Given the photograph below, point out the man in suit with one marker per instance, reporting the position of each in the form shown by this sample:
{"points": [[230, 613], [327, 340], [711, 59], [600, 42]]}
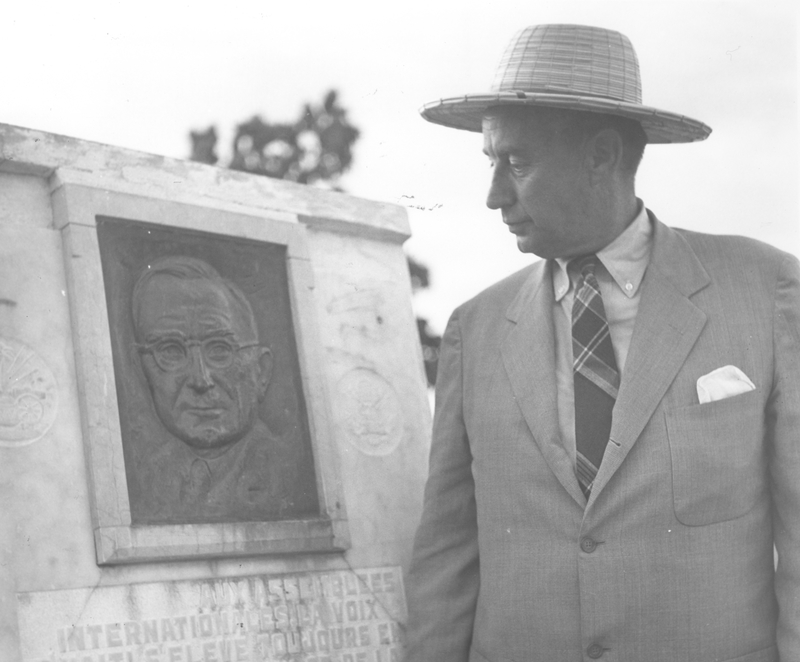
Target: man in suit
{"points": [[616, 445]]}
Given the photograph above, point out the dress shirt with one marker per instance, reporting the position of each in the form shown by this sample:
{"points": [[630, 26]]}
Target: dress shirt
{"points": [[620, 273]]}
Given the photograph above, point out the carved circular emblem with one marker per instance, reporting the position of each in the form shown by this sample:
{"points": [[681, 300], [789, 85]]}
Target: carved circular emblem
{"points": [[28, 394], [369, 412]]}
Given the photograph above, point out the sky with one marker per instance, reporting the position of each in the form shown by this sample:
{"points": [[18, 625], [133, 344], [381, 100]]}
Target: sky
{"points": [[142, 74]]}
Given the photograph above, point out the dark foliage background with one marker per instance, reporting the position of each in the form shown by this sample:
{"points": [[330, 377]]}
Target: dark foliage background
{"points": [[315, 149]]}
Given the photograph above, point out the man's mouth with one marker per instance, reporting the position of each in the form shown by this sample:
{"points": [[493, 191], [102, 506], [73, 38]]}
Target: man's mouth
{"points": [[514, 225], [203, 411], [200, 417]]}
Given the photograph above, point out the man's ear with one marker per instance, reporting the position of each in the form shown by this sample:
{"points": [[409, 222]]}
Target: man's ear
{"points": [[604, 154], [265, 370]]}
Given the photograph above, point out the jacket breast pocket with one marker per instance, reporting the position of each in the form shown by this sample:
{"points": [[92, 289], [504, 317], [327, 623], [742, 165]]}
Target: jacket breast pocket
{"points": [[718, 458]]}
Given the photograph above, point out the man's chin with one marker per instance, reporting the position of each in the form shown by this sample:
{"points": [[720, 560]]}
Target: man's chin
{"points": [[526, 244], [208, 443]]}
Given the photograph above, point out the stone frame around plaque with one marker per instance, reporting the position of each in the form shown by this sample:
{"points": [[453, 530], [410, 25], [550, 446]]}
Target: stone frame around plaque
{"points": [[120, 537]]}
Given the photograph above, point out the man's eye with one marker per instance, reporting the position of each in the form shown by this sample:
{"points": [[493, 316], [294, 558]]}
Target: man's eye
{"points": [[171, 351], [218, 350]]}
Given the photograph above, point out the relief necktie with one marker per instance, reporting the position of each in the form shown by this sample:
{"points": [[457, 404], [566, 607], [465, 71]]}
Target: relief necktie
{"points": [[594, 370], [196, 488]]}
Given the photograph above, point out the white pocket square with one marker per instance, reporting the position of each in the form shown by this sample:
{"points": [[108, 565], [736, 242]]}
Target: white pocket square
{"points": [[724, 382]]}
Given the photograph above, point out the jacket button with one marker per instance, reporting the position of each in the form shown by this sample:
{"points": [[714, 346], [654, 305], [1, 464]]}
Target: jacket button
{"points": [[595, 651], [588, 545]]}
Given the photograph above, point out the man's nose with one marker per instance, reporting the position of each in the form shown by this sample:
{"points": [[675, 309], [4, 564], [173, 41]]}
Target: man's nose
{"points": [[500, 193], [199, 374]]}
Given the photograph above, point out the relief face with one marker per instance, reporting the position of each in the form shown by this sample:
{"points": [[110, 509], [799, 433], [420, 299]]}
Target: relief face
{"points": [[211, 408], [200, 352]]}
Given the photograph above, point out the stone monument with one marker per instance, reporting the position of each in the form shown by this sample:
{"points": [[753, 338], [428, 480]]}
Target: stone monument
{"points": [[213, 418]]}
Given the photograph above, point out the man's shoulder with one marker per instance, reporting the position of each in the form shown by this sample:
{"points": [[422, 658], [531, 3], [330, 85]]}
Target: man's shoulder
{"points": [[726, 247], [496, 298], [259, 444], [739, 262]]}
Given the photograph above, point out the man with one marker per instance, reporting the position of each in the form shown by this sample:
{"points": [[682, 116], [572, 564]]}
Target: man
{"points": [[207, 373], [616, 444]]}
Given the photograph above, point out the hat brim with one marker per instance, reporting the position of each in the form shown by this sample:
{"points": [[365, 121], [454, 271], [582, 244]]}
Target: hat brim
{"points": [[467, 113]]}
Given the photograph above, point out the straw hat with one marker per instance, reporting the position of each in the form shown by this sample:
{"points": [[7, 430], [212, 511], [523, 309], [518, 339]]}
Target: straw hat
{"points": [[576, 67]]}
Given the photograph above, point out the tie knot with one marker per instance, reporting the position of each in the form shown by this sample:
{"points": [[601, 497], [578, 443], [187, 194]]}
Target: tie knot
{"points": [[585, 264]]}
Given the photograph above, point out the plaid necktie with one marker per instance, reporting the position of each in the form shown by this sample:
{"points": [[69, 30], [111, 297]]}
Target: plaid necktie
{"points": [[594, 370]]}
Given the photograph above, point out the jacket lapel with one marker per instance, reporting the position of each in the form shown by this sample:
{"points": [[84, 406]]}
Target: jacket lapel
{"points": [[667, 327], [529, 358]]}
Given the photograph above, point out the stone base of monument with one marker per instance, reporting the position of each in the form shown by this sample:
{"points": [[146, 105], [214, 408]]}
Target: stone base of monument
{"points": [[213, 417]]}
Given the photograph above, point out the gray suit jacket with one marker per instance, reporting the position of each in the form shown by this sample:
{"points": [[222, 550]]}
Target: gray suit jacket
{"points": [[672, 558]]}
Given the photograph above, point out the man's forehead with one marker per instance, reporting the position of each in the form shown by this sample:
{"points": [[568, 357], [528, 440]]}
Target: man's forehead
{"points": [[510, 129], [186, 304], [166, 288], [194, 306], [533, 115]]}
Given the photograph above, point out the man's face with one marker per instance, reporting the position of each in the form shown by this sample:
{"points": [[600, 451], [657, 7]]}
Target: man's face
{"points": [[205, 388], [539, 185]]}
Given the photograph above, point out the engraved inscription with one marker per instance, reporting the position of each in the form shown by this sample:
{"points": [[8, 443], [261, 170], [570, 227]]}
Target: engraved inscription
{"points": [[28, 394], [321, 617], [369, 412]]}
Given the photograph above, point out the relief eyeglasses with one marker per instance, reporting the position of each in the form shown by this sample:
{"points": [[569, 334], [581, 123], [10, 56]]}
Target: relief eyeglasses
{"points": [[172, 354]]}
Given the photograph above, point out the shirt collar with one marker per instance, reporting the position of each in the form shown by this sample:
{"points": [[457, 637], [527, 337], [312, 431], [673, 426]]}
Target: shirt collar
{"points": [[625, 258]]}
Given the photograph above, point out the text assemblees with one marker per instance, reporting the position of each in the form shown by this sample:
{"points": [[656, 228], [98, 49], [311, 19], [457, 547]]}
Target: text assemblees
{"points": [[260, 591], [323, 617]]}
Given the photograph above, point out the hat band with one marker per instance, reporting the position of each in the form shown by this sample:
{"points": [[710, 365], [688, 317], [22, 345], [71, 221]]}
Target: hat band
{"points": [[554, 89]]}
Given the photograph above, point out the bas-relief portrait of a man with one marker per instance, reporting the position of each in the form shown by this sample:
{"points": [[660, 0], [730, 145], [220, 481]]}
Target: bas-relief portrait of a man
{"points": [[193, 389]]}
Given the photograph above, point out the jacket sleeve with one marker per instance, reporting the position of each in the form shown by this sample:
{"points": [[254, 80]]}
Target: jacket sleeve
{"points": [[443, 579], [783, 418]]}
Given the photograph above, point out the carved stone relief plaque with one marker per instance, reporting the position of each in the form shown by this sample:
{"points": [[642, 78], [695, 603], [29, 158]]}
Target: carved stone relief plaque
{"points": [[211, 404], [28, 394], [369, 412]]}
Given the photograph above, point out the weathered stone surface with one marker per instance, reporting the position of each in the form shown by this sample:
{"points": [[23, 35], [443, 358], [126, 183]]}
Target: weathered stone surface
{"points": [[68, 160], [346, 616], [64, 502]]}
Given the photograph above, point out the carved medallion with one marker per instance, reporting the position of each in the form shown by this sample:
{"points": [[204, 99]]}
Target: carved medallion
{"points": [[28, 394], [370, 412]]}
